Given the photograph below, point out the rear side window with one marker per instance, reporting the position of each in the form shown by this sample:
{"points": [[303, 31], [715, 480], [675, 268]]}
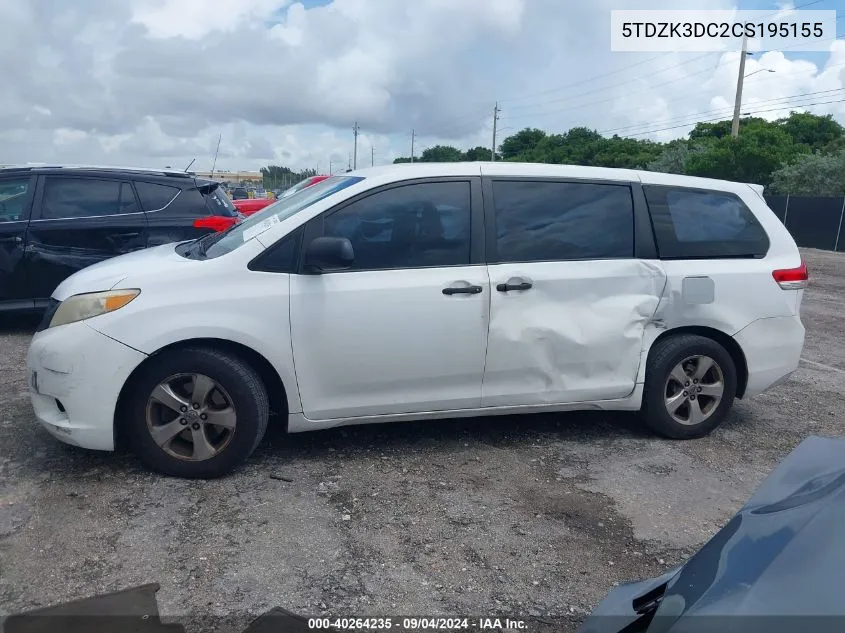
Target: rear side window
{"points": [[80, 198], [696, 223], [555, 221], [153, 196]]}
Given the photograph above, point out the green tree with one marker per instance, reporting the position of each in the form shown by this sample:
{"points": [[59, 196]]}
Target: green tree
{"points": [[277, 176], [673, 159], [706, 131], [812, 175], [441, 154], [478, 153], [627, 153], [521, 143], [812, 131], [760, 149]]}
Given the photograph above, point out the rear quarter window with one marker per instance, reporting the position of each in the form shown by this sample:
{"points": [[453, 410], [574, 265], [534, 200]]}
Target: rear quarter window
{"points": [[155, 196], [703, 224]]}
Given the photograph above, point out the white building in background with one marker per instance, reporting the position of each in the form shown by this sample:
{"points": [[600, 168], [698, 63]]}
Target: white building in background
{"points": [[233, 177]]}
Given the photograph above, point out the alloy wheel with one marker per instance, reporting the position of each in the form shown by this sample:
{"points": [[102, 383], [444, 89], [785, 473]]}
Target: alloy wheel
{"points": [[191, 417], [694, 389]]}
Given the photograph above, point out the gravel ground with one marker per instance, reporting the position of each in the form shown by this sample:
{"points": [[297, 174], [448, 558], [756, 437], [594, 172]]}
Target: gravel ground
{"points": [[530, 515]]}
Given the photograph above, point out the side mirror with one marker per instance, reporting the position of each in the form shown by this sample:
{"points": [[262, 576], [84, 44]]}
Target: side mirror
{"points": [[325, 254]]}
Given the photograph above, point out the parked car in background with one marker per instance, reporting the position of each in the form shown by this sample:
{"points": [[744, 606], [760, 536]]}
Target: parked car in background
{"points": [[252, 205], [239, 193], [302, 184], [426, 291], [56, 220]]}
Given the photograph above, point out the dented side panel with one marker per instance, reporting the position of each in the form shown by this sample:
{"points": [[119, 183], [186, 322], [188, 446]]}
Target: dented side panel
{"points": [[576, 335]]}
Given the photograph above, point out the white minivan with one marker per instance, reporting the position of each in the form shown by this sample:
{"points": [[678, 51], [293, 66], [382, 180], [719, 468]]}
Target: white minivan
{"points": [[428, 291]]}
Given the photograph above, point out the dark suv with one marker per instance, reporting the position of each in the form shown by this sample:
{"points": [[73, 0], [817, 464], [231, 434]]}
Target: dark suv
{"points": [[56, 220]]}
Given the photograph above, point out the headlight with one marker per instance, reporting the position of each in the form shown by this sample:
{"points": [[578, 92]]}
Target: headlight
{"points": [[91, 304]]}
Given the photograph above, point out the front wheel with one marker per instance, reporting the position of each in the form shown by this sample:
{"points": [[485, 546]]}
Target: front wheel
{"points": [[690, 386], [196, 413]]}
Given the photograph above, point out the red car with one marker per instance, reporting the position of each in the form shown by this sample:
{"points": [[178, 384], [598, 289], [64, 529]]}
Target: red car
{"points": [[252, 205]]}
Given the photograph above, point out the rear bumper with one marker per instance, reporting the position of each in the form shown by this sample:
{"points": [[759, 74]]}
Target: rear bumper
{"points": [[772, 349], [75, 377]]}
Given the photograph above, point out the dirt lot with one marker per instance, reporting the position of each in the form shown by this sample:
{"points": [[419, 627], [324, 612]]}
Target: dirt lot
{"points": [[519, 515]]}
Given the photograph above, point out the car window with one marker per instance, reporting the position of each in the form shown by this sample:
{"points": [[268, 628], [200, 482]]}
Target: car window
{"points": [[557, 221], [412, 226], [154, 196], [190, 203], [80, 197], [12, 198], [220, 204], [696, 223]]}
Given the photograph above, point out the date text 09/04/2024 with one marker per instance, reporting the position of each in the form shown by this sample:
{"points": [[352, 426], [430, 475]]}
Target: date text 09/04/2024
{"points": [[416, 624]]}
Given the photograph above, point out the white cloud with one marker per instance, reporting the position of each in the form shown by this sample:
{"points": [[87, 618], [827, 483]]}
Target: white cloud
{"points": [[195, 19], [153, 82]]}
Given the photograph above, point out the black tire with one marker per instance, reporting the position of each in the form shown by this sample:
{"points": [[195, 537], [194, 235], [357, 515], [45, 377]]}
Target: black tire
{"points": [[243, 386], [663, 358]]}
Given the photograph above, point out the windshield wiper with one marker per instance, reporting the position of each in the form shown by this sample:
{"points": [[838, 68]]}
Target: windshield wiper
{"points": [[203, 243]]}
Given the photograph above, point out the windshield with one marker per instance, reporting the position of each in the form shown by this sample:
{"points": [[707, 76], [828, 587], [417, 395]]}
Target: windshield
{"points": [[302, 184], [277, 212]]}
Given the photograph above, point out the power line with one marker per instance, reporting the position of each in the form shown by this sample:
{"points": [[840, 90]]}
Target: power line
{"points": [[456, 123], [718, 111], [611, 87], [722, 118], [593, 103]]}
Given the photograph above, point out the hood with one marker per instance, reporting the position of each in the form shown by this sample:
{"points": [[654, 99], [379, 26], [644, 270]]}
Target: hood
{"points": [[782, 554], [109, 273]]}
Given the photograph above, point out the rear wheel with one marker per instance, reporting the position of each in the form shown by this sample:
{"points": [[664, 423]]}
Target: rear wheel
{"points": [[690, 386], [196, 413]]}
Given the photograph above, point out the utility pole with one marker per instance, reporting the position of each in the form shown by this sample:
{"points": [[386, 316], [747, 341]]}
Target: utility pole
{"points": [[349, 164], [330, 167], [372, 156], [355, 147], [495, 119], [738, 101], [412, 145]]}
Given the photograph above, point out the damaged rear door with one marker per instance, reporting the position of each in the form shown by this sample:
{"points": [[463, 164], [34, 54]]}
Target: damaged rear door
{"points": [[79, 221], [571, 290]]}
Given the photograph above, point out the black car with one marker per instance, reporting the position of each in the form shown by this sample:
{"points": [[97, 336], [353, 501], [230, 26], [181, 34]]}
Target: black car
{"points": [[240, 193], [56, 220]]}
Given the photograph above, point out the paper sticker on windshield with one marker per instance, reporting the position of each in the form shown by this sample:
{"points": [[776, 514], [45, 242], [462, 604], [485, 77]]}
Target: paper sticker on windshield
{"points": [[259, 228]]}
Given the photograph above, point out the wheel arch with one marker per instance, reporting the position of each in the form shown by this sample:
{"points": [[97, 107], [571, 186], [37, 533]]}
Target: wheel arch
{"points": [[276, 390], [723, 339]]}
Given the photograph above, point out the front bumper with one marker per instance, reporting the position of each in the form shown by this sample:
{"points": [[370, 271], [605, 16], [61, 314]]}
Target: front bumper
{"points": [[75, 377]]}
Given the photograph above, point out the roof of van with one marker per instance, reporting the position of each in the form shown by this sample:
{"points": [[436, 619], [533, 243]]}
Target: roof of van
{"points": [[402, 171]]}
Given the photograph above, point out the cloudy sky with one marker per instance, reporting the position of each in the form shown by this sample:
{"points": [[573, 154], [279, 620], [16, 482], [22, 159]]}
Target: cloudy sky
{"points": [[153, 82]]}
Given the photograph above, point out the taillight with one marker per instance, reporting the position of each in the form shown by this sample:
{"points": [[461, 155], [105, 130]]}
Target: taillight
{"points": [[792, 278], [214, 222]]}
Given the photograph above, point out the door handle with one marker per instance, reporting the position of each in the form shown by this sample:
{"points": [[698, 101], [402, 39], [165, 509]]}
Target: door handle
{"points": [[462, 290], [17, 239], [128, 235], [522, 285]]}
